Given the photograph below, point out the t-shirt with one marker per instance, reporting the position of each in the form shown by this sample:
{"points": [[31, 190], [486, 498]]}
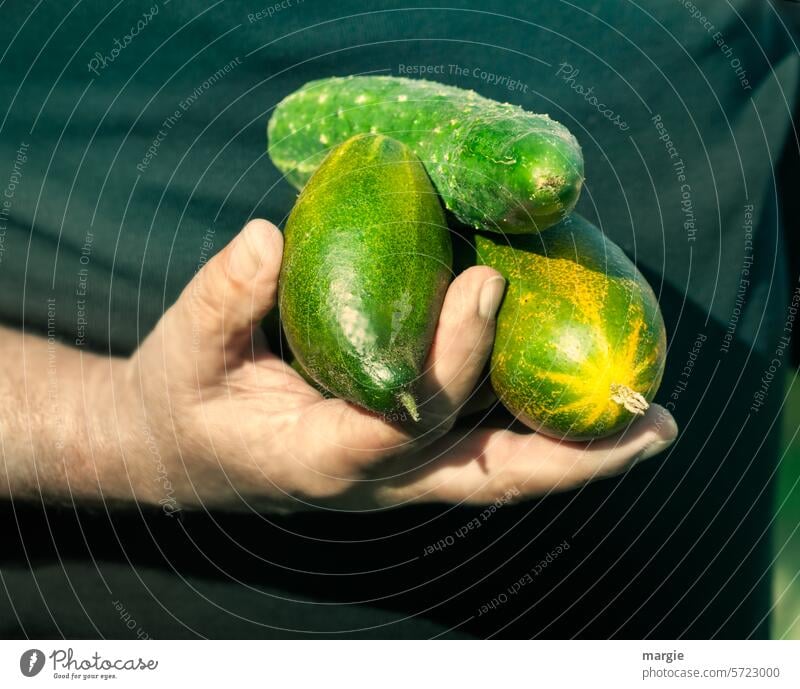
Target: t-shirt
{"points": [[134, 147]]}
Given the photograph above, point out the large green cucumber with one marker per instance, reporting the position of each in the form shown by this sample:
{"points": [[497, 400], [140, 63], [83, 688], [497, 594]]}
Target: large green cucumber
{"points": [[496, 166], [367, 261], [580, 345]]}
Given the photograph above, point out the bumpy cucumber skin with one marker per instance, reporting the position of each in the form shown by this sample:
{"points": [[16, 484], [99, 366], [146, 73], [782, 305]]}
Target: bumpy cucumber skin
{"points": [[367, 261], [496, 166], [577, 318]]}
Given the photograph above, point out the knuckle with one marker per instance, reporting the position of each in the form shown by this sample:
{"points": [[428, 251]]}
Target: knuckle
{"points": [[199, 300], [454, 314]]}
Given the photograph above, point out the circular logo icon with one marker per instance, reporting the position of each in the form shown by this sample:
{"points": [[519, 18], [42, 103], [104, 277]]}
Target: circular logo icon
{"points": [[31, 662]]}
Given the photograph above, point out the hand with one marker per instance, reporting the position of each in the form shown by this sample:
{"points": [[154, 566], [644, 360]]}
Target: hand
{"points": [[228, 424]]}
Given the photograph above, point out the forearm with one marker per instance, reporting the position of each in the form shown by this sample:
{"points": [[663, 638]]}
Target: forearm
{"points": [[61, 427]]}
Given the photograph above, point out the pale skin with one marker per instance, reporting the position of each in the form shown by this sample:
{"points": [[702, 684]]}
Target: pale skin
{"points": [[204, 415]]}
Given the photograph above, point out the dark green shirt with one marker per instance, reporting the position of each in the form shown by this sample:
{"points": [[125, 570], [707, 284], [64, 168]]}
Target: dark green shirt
{"points": [[133, 148]]}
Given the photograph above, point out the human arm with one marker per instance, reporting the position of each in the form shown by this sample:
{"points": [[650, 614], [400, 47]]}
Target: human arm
{"points": [[203, 414]]}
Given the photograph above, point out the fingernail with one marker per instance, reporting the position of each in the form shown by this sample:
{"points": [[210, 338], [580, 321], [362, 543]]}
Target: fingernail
{"points": [[249, 251], [666, 430], [490, 297]]}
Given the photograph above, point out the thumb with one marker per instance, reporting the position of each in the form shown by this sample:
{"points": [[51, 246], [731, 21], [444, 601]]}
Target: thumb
{"points": [[218, 310]]}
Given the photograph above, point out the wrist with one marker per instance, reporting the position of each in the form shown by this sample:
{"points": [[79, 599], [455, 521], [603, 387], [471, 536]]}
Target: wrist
{"points": [[111, 444], [137, 435]]}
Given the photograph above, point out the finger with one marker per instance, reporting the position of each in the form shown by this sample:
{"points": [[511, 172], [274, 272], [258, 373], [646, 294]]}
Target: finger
{"points": [[463, 342], [485, 465], [216, 313], [480, 399]]}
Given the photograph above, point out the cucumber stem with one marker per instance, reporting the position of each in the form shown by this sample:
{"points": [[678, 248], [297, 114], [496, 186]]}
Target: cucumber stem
{"points": [[407, 401], [630, 399]]}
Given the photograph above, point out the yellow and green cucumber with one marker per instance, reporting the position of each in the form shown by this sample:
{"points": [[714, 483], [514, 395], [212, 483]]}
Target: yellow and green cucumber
{"points": [[367, 261], [580, 344], [496, 166]]}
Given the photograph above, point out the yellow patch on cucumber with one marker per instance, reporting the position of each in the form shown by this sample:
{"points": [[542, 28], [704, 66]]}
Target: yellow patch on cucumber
{"points": [[612, 371]]}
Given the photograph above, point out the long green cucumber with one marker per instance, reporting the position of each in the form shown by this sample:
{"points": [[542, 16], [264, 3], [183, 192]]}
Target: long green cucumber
{"points": [[366, 264], [496, 166]]}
